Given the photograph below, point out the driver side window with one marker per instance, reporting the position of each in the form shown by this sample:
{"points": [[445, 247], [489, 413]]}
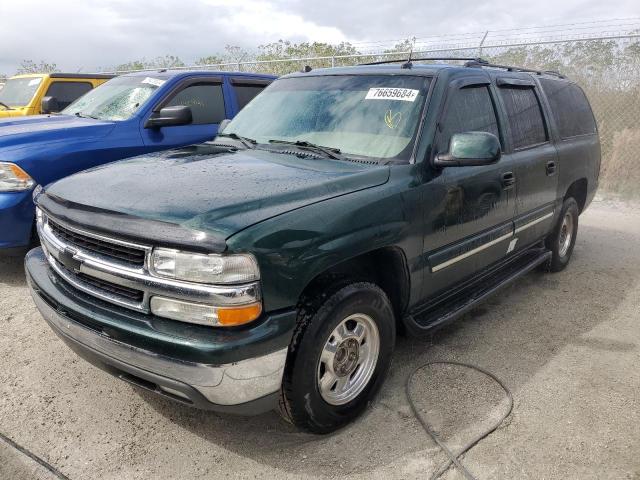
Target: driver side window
{"points": [[206, 101], [469, 109]]}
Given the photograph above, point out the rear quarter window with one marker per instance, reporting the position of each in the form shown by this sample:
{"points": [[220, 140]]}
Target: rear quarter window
{"points": [[570, 107]]}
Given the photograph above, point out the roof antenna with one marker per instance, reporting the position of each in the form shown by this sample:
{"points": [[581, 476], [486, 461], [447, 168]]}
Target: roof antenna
{"points": [[408, 63]]}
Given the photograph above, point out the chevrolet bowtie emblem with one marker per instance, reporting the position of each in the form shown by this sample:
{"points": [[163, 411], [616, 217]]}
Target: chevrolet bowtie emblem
{"points": [[66, 258]]}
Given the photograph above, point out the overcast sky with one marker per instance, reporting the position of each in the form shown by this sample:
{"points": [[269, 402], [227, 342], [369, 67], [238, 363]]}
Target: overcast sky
{"points": [[87, 35]]}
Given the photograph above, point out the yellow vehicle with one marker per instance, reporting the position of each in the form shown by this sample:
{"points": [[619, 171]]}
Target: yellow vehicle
{"points": [[37, 93]]}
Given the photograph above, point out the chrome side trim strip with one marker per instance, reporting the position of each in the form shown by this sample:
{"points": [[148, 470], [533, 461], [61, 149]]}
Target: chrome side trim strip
{"points": [[534, 222], [450, 262]]}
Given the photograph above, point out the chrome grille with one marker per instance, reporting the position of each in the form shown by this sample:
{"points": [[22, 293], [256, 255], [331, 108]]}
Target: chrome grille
{"points": [[107, 287], [117, 270], [120, 252]]}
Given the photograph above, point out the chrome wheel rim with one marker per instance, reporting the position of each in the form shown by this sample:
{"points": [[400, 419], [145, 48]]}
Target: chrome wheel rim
{"points": [[566, 234], [348, 359]]}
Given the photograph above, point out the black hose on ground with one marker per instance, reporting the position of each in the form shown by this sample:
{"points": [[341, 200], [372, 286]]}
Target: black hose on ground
{"points": [[34, 457], [454, 458]]}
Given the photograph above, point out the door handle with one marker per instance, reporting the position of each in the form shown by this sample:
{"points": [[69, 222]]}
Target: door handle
{"points": [[508, 180], [551, 168]]}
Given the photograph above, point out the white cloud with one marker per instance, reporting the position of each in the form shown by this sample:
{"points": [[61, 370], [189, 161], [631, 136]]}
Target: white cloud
{"points": [[90, 34]]}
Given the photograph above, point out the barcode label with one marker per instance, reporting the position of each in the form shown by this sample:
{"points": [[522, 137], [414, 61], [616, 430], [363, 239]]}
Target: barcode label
{"points": [[404, 94]]}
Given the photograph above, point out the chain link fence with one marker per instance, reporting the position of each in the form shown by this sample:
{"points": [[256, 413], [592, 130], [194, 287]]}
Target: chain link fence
{"points": [[607, 66]]}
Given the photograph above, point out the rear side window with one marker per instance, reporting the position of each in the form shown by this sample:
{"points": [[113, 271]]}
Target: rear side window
{"points": [[468, 110], [525, 116], [205, 100], [570, 107], [245, 92], [67, 92]]}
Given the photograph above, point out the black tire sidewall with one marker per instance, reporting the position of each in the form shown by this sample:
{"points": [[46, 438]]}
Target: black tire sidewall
{"points": [[559, 262], [307, 407]]}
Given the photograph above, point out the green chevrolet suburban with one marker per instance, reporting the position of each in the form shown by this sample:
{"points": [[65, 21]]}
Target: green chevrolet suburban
{"points": [[272, 267]]}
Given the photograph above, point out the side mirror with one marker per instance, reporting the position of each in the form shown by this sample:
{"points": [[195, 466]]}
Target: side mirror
{"points": [[470, 149], [223, 125], [49, 105], [170, 117]]}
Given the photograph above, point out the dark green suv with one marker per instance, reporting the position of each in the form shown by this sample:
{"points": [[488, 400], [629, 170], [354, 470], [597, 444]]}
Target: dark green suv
{"points": [[273, 266]]}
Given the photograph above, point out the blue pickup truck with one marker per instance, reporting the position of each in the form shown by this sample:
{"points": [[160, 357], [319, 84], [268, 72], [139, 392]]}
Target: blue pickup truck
{"points": [[127, 116]]}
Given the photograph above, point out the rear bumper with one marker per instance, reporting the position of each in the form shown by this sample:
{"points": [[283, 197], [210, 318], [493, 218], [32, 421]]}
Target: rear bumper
{"points": [[246, 385], [16, 219]]}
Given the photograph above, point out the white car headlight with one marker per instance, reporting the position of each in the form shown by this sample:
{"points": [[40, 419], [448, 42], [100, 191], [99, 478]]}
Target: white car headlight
{"points": [[14, 179], [204, 268]]}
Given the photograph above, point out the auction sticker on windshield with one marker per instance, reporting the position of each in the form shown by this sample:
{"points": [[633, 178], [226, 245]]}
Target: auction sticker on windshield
{"points": [[404, 94], [153, 81]]}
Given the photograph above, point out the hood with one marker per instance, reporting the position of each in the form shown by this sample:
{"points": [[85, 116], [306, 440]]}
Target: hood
{"points": [[20, 131], [200, 188]]}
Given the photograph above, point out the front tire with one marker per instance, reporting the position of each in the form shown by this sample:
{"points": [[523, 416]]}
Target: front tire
{"points": [[563, 238], [338, 358]]}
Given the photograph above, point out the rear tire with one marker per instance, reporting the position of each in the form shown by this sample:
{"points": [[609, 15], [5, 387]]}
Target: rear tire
{"points": [[338, 358], [563, 237]]}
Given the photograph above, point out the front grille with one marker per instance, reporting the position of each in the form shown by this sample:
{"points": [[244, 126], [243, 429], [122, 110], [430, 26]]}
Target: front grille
{"points": [[108, 288], [134, 256]]}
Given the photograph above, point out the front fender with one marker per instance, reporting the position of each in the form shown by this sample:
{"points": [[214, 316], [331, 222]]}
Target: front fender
{"points": [[294, 248]]}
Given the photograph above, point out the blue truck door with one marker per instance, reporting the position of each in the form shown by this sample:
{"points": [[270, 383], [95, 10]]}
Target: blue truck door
{"points": [[205, 96]]}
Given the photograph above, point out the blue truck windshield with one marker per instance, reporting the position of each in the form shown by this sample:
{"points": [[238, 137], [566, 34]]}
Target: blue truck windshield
{"points": [[117, 99]]}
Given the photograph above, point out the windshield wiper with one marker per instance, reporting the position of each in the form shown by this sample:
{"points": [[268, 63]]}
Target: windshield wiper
{"points": [[330, 152], [5, 106], [247, 142]]}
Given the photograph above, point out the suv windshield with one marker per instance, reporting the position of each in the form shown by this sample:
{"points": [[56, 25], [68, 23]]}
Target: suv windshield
{"points": [[362, 115], [18, 92], [117, 99]]}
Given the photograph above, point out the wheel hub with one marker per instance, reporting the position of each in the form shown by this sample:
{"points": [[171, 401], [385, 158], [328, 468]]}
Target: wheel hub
{"points": [[346, 358]]}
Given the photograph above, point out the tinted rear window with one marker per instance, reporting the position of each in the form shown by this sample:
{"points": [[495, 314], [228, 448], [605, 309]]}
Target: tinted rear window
{"points": [[571, 109], [245, 93], [525, 116]]}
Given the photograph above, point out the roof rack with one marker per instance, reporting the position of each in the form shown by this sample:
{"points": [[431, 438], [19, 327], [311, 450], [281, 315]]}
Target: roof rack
{"points": [[405, 61], [470, 62]]}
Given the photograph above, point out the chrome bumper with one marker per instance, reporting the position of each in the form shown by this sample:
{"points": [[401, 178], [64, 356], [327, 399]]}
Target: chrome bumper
{"points": [[226, 385]]}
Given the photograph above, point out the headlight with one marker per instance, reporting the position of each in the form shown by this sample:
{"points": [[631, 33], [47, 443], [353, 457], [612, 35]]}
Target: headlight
{"points": [[14, 179], [203, 268]]}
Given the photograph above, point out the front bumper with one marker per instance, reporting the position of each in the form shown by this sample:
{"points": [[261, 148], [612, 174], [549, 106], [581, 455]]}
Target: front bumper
{"points": [[244, 385]]}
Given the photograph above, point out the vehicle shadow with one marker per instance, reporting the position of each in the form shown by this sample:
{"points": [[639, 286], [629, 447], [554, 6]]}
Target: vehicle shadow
{"points": [[12, 271], [514, 335]]}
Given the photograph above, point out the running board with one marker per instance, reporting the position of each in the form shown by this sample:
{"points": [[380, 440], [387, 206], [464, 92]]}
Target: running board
{"points": [[447, 308]]}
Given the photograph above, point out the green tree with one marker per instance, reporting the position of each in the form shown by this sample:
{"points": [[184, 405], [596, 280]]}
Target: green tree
{"points": [[29, 66], [210, 60], [166, 61], [283, 50]]}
